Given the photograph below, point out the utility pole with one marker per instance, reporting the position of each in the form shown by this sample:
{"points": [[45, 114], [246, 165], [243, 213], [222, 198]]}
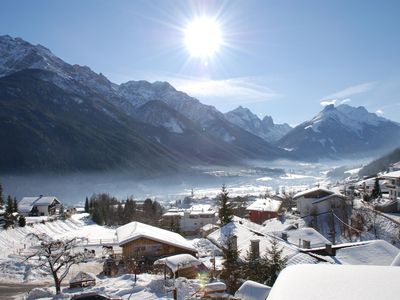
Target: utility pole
{"points": [[333, 227]]}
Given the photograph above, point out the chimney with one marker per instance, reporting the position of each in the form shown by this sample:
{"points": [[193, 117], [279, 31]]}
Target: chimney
{"points": [[233, 242], [284, 235], [329, 250], [306, 244], [255, 248]]}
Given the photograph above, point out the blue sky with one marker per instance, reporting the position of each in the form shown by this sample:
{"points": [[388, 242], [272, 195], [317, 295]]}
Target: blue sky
{"points": [[281, 58]]}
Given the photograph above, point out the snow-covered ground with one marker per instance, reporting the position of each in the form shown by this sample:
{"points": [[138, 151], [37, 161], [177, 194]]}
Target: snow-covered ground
{"points": [[15, 245], [147, 287], [17, 240]]}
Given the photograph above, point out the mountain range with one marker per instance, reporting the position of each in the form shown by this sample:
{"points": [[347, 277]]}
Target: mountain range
{"points": [[342, 131], [55, 116]]}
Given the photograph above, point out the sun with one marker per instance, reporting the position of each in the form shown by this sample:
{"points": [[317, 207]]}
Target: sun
{"points": [[203, 37]]}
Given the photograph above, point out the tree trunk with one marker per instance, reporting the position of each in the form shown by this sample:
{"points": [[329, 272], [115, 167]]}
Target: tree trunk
{"points": [[57, 283]]}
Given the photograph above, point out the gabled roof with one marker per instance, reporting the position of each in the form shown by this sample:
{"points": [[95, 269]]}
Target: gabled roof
{"points": [[312, 190], [316, 239], [26, 204], [265, 205], [135, 230], [179, 261], [329, 197], [82, 276], [245, 232]]}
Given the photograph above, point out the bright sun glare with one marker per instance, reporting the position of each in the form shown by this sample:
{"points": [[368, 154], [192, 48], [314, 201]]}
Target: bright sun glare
{"points": [[203, 37]]}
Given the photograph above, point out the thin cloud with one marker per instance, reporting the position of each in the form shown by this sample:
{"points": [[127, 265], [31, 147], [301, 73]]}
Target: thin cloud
{"points": [[347, 100], [328, 102], [379, 112], [352, 90], [234, 90]]}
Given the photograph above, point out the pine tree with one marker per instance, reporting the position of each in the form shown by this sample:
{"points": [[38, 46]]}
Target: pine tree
{"points": [[376, 191], [15, 205], [1, 196], [254, 268], [274, 262], [120, 213], [232, 271], [87, 205], [22, 221], [225, 211], [10, 205]]}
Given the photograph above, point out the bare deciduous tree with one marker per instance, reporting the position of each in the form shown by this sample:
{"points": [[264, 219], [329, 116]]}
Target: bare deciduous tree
{"points": [[56, 256]]}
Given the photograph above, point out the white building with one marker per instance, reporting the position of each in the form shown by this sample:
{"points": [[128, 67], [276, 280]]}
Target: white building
{"points": [[192, 219], [39, 206], [393, 185], [317, 201]]}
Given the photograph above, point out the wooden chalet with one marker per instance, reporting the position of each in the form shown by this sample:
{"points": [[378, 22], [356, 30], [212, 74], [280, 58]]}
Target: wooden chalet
{"points": [[142, 241]]}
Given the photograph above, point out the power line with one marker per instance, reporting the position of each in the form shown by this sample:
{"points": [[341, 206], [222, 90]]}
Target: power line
{"points": [[359, 231]]}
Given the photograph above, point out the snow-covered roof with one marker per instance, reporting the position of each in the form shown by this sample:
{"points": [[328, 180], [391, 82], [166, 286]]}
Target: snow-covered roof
{"points": [[246, 231], [286, 222], [179, 261], [215, 286], [198, 209], [265, 205], [251, 290], [395, 174], [378, 252], [312, 190], [302, 258], [202, 207], [294, 236], [328, 197], [26, 204], [173, 214], [82, 276], [135, 230], [396, 261], [208, 227], [332, 282]]}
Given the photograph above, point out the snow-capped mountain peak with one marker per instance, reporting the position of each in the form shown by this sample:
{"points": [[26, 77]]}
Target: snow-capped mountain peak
{"points": [[264, 128], [17, 54], [342, 130], [353, 118]]}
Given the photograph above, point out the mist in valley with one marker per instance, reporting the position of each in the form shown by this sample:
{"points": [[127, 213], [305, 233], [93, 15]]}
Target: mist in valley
{"points": [[255, 178]]}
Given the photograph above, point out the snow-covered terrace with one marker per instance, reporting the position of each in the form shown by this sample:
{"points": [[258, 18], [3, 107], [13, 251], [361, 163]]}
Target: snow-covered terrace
{"points": [[333, 282]]}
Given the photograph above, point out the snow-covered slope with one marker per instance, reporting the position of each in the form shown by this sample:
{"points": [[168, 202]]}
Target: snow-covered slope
{"points": [[342, 131], [16, 240], [264, 128], [17, 54]]}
